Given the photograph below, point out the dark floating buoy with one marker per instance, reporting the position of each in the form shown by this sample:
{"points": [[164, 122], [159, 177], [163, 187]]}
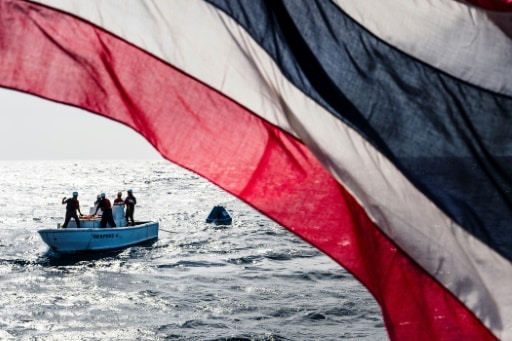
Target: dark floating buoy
{"points": [[219, 216]]}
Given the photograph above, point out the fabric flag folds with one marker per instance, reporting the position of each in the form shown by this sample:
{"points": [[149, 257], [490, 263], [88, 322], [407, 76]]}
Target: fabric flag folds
{"points": [[377, 131]]}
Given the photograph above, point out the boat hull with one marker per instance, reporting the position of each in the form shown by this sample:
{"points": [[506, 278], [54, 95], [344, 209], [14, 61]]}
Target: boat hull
{"points": [[72, 240]]}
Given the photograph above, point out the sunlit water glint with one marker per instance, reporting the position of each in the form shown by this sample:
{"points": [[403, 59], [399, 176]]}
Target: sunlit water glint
{"points": [[252, 280]]}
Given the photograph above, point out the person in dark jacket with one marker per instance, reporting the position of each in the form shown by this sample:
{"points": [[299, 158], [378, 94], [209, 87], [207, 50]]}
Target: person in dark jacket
{"points": [[130, 203], [98, 199], [106, 208], [72, 205]]}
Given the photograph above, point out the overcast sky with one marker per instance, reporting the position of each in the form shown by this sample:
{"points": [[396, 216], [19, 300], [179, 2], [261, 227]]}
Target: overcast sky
{"points": [[35, 129]]}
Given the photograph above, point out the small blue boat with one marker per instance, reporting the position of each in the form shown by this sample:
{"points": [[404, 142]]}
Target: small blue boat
{"points": [[91, 237]]}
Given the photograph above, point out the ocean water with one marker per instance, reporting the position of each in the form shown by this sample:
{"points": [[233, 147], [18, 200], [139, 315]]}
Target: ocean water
{"points": [[253, 280]]}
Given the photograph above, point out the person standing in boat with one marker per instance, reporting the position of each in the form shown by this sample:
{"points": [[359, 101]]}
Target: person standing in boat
{"points": [[119, 200], [130, 203], [72, 205], [106, 208]]}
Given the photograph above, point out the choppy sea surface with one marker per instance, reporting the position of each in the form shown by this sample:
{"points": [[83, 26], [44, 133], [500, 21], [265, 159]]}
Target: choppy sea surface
{"points": [[253, 280]]}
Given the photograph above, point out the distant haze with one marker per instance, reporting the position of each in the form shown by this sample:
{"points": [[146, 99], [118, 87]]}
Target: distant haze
{"points": [[37, 129]]}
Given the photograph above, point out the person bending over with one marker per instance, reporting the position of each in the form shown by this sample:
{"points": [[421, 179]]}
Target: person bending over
{"points": [[106, 207]]}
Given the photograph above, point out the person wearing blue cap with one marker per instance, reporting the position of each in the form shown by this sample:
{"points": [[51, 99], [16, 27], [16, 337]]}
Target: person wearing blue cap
{"points": [[130, 203], [72, 205], [106, 208]]}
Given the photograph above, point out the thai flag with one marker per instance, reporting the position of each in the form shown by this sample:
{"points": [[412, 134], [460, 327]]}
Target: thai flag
{"points": [[378, 131]]}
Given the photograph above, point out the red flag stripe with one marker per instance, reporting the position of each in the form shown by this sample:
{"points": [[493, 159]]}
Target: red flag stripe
{"points": [[493, 5]]}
